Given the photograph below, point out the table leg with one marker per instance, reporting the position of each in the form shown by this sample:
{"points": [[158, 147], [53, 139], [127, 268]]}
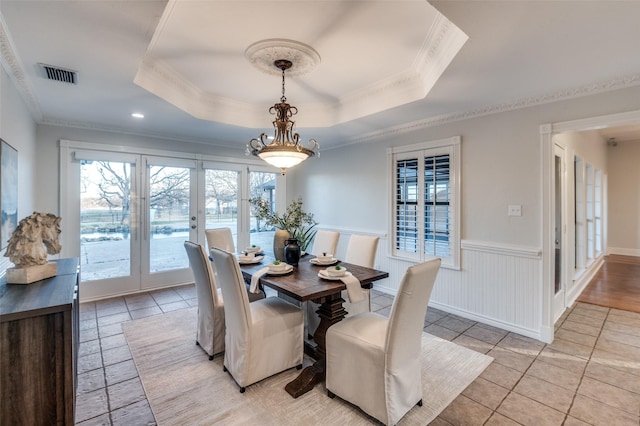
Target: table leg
{"points": [[331, 311]]}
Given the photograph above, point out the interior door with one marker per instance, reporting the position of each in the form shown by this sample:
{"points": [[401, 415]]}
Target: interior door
{"points": [[559, 264]]}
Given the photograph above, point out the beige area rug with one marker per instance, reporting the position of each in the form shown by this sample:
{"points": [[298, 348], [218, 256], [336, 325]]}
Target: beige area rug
{"points": [[185, 388]]}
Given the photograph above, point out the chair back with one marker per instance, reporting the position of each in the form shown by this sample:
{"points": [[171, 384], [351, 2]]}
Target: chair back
{"points": [[361, 250], [236, 301], [406, 320], [220, 238], [202, 274], [325, 242]]}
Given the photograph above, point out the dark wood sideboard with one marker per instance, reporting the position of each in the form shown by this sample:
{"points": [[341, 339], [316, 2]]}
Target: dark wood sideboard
{"points": [[39, 326]]}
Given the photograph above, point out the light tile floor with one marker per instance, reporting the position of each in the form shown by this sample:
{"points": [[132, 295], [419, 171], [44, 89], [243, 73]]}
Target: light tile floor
{"points": [[589, 375]]}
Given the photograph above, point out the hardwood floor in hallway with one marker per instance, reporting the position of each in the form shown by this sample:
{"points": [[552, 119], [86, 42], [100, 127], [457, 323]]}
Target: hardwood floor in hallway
{"points": [[616, 285]]}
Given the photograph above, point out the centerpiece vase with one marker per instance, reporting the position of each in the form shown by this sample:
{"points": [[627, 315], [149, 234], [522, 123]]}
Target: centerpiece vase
{"points": [[279, 241], [292, 252]]}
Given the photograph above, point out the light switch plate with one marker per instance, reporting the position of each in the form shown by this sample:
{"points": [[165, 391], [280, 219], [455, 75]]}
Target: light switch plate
{"points": [[514, 210]]}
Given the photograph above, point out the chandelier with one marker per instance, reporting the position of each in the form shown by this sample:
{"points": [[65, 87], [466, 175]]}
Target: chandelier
{"points": [[284, 150]]}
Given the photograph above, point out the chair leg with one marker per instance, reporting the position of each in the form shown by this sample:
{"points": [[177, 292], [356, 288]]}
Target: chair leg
{"points": [[197, 344], [419, 404], [210, 357], [330, 394], [224, 369], [242, 389], [299, 367]]}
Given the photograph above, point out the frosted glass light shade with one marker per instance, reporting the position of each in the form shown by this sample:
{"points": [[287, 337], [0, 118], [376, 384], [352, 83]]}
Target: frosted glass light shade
{"points": [[283, 159]]}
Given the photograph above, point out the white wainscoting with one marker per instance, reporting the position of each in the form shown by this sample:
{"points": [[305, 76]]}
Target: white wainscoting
{"points": [[499, 285]]}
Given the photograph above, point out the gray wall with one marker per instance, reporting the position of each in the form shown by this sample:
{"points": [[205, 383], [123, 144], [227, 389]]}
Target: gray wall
{"points": [[19, 130], [624, 198], [501, 165]]}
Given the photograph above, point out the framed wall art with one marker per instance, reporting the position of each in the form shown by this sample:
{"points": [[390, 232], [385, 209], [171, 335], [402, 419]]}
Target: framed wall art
{"points": [[8, 191]]}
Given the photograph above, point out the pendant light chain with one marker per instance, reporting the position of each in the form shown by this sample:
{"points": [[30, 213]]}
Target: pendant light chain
{"points": [[283, 98]]}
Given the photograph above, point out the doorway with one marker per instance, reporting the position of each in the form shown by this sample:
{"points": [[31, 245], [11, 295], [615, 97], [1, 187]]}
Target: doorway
{"points": [[575, 280], [560, 227]]}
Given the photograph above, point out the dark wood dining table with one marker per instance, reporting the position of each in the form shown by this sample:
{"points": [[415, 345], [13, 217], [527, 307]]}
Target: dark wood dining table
{"points": [[304, 284]]}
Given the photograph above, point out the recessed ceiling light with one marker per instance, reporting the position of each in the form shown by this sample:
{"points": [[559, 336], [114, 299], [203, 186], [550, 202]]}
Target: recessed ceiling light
{"points": [[137, 115]]}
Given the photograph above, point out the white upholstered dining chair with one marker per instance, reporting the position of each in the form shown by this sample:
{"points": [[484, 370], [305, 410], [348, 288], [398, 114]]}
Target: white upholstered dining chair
{"points": [[210, 325], [263, 338], [374, 362], [220, 238], [361, 251], [325, 242]]}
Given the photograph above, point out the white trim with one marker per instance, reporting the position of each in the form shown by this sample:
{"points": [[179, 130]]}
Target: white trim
{"points": [[85, 155], [595, 123], [438, 143], [623, 251], [90, 146], [534, 334], [349, 231], [502, 249], [547, 215], [583, 281]]}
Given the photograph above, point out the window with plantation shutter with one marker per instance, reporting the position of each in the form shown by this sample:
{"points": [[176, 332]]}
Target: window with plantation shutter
{"points": [[436, 205], [407, 205], [426, 201]]}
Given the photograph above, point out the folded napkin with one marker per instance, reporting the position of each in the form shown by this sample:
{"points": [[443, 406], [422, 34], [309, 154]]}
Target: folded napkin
{"points": [[255, 278], [354, 291]]}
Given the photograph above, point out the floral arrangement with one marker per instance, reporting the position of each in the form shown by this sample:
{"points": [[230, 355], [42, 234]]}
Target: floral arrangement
{"points": [[298, 223]]}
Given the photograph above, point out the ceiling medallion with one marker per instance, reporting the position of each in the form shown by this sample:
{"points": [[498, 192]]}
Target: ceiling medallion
{"points": [[284, 150], [263, 54]]}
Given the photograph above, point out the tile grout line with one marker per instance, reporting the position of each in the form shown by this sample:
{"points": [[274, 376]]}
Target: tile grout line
{"points": [[584, 373]]}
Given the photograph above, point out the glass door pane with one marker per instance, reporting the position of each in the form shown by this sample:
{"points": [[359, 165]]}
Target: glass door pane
{"points": [[221, 200], [105, 215], [262, 185], [169, 217]]}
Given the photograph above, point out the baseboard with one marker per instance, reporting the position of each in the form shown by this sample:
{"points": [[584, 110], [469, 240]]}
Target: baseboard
{"points": [[624, 251], [583, 281], [534, 334]]}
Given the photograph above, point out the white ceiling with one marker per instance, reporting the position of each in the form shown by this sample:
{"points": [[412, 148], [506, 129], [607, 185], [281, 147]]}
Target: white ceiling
{"points": [[187, 61]]}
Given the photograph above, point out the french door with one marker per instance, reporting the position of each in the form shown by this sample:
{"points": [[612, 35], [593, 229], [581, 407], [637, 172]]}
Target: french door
{"points": [[135, 212], [126, 216], [227, 191]]}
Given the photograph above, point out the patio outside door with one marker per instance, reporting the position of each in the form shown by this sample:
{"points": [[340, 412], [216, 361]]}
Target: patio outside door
{"points": [[135, 213]]}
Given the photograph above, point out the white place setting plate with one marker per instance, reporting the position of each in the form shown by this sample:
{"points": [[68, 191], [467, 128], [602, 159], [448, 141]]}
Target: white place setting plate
{"points": [[250, 261], [286, 270], [317, 261], [322, 274]]}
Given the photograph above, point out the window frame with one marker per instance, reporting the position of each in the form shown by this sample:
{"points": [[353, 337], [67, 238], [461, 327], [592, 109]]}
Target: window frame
{"points": [[420, 151]]}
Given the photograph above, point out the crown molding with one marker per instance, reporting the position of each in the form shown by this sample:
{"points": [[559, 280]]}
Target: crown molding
{"points": [[561, 95], [13, 67], [227, 144], [611, 85]]}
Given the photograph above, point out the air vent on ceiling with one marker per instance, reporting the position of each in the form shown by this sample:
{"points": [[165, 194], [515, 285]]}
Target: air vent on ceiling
{"points": [[59, 74]]}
